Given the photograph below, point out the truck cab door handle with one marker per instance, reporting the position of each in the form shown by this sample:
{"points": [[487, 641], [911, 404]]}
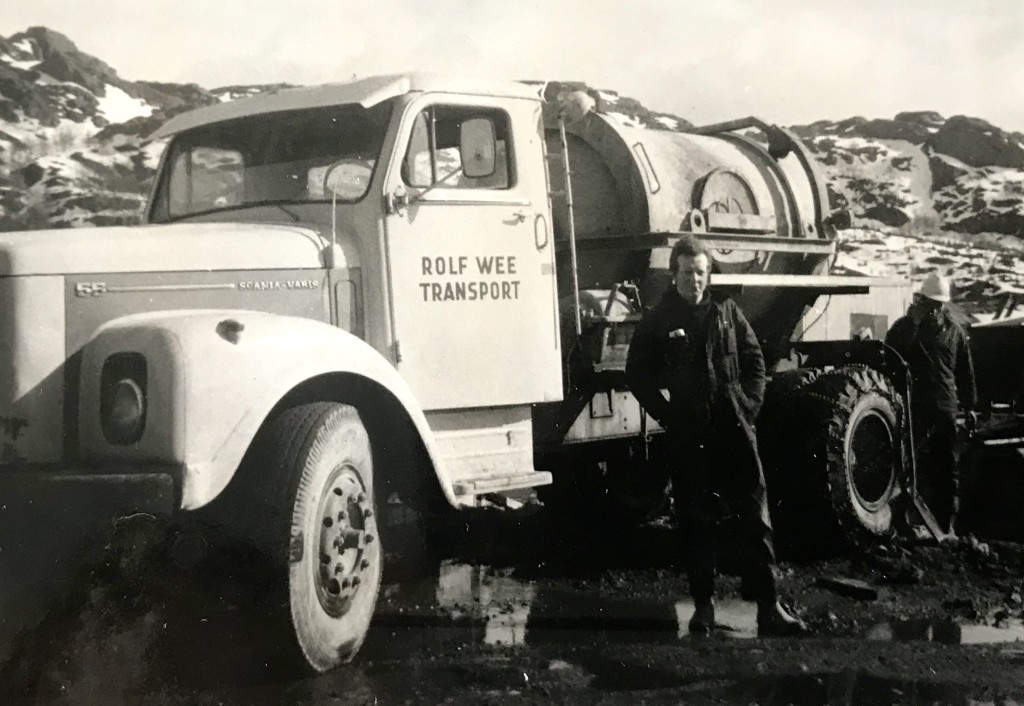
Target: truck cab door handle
{"points": [[540, 231], [396, 201]]}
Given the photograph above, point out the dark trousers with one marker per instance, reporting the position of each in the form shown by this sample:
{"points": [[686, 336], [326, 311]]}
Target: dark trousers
{"points": [[939, 476], [721, 504]]}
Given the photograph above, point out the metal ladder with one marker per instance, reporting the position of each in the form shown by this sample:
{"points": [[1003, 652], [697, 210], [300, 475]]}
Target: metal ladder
{"points": [[566, 192]]}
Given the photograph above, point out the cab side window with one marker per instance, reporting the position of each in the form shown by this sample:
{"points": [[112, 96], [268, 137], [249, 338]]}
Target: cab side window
{"points": [[434, 159]]}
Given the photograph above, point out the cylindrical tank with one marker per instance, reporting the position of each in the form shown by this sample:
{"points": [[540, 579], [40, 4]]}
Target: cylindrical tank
{"points": [[634, 188]]}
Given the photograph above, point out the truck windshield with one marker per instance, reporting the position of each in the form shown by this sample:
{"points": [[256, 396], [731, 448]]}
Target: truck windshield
{"points": [[305, 155]]}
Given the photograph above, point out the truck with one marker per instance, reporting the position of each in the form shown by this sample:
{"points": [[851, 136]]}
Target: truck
{"points": [[422, 288]]}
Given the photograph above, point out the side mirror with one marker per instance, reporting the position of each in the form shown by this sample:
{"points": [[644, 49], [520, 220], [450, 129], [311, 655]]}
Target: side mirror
{"points": [[477, 147]]}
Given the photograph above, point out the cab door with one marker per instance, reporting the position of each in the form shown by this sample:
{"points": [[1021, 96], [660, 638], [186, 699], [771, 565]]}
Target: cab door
{"points": [[470, 254]]}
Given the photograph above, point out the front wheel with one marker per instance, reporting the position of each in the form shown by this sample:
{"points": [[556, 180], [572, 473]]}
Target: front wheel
{"points": [[319, 456]]}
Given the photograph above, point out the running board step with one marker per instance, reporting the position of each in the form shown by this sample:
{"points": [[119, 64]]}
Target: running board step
{"points": [[494, 484]]}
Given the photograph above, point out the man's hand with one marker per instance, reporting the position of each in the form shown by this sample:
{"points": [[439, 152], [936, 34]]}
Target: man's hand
{"points": [[971, 420]]}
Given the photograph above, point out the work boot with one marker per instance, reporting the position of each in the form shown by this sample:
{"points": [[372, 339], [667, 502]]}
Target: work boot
{"points": [[951, 531], [774, 621], [703, 619]]}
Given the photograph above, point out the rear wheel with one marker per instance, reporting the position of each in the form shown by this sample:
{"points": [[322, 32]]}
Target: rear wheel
{"points": [[862, 449], [833, 455]]}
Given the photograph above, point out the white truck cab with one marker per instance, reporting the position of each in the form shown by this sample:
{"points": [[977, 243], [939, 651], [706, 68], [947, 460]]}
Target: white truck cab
{"points": [[340, 293]]}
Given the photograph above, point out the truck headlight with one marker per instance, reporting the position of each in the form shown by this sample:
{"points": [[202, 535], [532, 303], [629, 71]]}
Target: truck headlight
{"points": [[123, 385]]}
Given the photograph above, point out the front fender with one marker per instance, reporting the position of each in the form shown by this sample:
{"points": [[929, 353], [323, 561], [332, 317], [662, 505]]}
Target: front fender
{"points": [[212, 384]]}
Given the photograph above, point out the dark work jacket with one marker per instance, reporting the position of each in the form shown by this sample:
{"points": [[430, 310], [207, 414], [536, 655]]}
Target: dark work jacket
{"points": [[730, 370], [940, 363]]}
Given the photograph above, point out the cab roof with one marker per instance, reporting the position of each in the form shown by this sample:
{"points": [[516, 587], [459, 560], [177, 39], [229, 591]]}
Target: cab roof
{"points": [[366, 92]]}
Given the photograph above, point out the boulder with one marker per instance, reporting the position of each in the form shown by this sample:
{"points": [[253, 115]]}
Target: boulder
{"points": [[32, 173], [893, 130], [924, 118], [887, 214], [977, 143], [172, 98], [849, 125], [815, 129], [60, 58], [19, 92], [945, 171], [985, 221]]}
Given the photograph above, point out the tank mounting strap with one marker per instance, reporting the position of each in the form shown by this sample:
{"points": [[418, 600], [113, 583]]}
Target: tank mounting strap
{"points": [[822, 284], [822, 353], [724, 241]]}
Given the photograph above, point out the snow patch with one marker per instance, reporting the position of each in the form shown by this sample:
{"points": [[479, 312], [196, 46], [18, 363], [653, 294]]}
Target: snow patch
{"points": [[861, 143], [152, 152], [23, 65], [39, 140], [118, 107], [849, 263], [670, 123], [26, 45], [623, 119], [608, 97]]}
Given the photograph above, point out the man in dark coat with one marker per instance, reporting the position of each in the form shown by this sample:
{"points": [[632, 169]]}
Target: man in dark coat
{"points": [[703, 351], [937, 351]]}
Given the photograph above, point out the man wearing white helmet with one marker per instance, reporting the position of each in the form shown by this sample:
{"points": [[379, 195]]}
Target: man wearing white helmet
{"points": [[937, 351]]}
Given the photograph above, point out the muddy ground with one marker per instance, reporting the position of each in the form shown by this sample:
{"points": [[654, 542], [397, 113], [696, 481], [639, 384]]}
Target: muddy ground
{"points": [[513, 607], [517, 605]]}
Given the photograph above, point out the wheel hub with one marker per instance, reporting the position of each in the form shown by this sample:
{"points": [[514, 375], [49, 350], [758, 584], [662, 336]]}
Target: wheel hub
{"points": [[871, 461], [346, 539]]}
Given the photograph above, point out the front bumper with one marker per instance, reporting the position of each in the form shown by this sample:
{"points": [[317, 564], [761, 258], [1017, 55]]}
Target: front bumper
{"points": [[79, 495], [55, 527]]}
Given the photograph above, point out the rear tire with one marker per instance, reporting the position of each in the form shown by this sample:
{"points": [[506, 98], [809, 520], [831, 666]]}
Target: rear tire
{"points": [[862, 448], [833, 457]]}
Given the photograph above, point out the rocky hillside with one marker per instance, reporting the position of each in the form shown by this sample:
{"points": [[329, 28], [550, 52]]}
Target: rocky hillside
{"points": [[960, 173], [71, 154], [71, 130]]}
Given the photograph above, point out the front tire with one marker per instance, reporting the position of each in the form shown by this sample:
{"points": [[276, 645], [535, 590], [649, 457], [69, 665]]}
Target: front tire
{"points": [[320, 457]]}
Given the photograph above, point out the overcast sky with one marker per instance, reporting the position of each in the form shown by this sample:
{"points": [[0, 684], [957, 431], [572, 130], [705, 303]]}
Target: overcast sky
{"points": [[787, 61]]}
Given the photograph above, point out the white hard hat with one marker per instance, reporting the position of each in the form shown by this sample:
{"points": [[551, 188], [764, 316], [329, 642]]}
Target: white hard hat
{"points": [[935, 287]]}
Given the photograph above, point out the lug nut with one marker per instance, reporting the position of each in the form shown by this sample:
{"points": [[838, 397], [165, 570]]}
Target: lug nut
{"points": [[369, 538], [345, 583], [328, 522], [364, 564], [361, 498], [355, 581], [368, 514], [338, 569], [341, 516]]}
